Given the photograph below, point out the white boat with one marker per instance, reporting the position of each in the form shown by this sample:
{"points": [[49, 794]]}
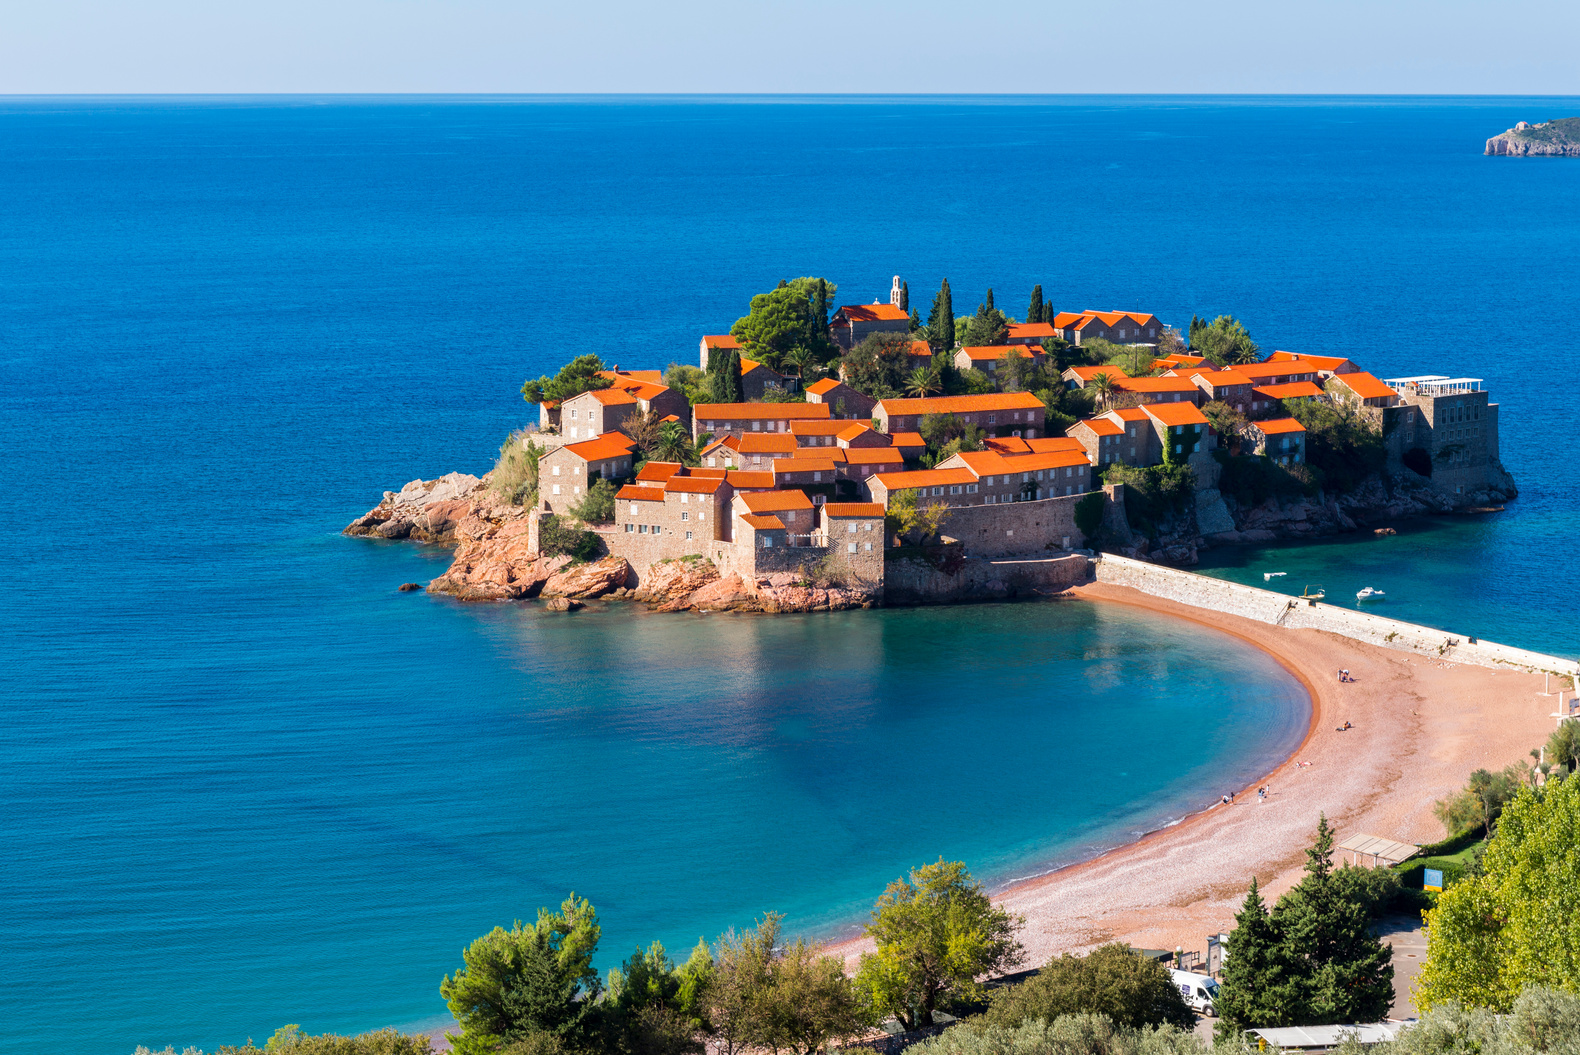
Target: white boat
{"points": [[1269, 576], [1370, 593]]}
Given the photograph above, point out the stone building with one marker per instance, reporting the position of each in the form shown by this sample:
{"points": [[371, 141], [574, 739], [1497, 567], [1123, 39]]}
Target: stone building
{"points": [[1267, 401], [717, 342], [565, 473], [1082, 376], [1361, 389], [1123, 436], [988, 358], [592, 414], [1226, 386], [1181, 429], [1281, 439], [1161, 389], [853, 323], [1116, 327], [741, 419], [1448, 426], [842, 400], [759, 449]]}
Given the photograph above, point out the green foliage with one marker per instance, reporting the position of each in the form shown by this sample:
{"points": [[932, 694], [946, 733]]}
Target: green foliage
{"points": [[1113, 980], [1313, 959], [1342, 442], [795, 315], [724, 376], [936, 934], [1516, 924], [575, 377], [1169, 343], [1153, 494], [910, 519], [1254, 478], [1062, 354], [879, 366], [941, 321], [675, 444], [969, 382], [938, 430], [1084, 1034], [557, 537], [782, 395], [691, 381], [291, 1040], [1134, 359], [642, 1011], [1225, 420], [1034, 309], [1224, 341], [987, 327], [1563, 749], [515, 474], [1089, 514], [1542, 1021], [597, 505], [1482, 800], [922, 383], [536, 979]]}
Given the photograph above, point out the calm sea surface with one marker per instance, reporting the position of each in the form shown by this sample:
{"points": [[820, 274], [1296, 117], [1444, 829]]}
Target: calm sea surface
{"points": [[243, 782]]}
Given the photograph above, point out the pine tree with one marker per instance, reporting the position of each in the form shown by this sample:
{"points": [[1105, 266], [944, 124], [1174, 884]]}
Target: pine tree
{"points": [[905, 296], [1255, 983], [1196, 326], [1034, 311], [916, 321]]}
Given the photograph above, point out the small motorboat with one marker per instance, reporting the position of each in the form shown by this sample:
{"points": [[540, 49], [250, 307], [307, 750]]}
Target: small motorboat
{"points": [[1313, 593], [1269, 576], [1370, 593]]}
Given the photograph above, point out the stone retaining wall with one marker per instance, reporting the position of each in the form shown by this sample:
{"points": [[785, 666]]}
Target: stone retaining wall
{"points": [[914, 581], [1266, 606]]}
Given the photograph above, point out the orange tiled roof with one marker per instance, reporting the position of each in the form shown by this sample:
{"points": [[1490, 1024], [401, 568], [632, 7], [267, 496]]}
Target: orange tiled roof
{"points": [[832, 454], [906, 439], [1101, 426], [638, 493], [852, 509], [602, 448], [828, 427], [1330, 363], [1176, 413], [767, 443], [1086, 373], [872, 456], [1043, 444], [802, 465], [659, 471], [1033, 330], [872, 313], [638, 387], [763, 523], [1007, 445], [1156, 384], [920, 350], [759, 411], [609, 397], [775, 501], [1263, 371], [962, 404], [1293, 390], [1221, 378], [991, 463], [697, 485], [721, 340], [717, 474], [1364, 385], [925, 478], [823, 387], [732, 443], [1130, 414], [1278, 425], [852, 430], [741, 479], [986, 352]]}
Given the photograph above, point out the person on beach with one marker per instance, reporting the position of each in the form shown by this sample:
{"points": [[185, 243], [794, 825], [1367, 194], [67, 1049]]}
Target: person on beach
{"points": [[1261, 795]]}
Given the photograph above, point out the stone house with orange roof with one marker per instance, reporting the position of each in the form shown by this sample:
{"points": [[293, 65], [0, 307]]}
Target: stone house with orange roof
{"points": [[1116, 327], [759, 449], [999, 413], [842, 400], [818, 433], [742, 419], [1225, 386], [988, 358], [854, 323], [1268, 400], [1081, 376], [1031, 334], [1361, 389], [565, 472], [1281, 439], [1147, 390]]}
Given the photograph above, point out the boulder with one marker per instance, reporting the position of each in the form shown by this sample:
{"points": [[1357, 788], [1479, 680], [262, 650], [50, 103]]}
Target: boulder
{"points": [[589, 580], [671, 581], [729, 593], [408, 587], [393, 529], [562, 604]]}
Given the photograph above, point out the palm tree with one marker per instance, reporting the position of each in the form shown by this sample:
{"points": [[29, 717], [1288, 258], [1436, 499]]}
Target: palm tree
{"points": [[1104, 385], [674, 444], [923, 382], [803, 360]]}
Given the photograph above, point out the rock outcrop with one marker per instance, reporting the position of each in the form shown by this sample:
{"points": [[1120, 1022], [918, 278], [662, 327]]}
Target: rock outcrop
{"points": [[586, 581], [425, 510], [1559, 138]]}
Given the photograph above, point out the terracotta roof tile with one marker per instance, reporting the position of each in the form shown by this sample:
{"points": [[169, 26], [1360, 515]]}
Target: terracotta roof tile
{"points": [[962, 404], [717, 474], [1364, 385], [1086, 373], [1293, 390], [721, 340], [659, 471], [1007, 445], [1044, 444], [852, 509], [925, 478], [906, 439], [872, 313], [638, 493], [828, 427], [853, 430], [1034, 330], [763, 523], [1102, 427], [602, 448], [1175, 413], [823, 387], [1263, 371], [1279, 425], [767, 443], [802, 465], [984, 353], [697, 485], [920, 350], [1157, 384], [759, 411], [775, 501], [873, 456], [742, 479]]}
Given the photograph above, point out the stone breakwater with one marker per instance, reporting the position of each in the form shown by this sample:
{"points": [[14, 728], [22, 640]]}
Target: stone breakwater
{"points": [[494, 562]]}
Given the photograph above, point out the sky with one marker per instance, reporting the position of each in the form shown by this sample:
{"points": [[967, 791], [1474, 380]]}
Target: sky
{"points": [[1519, 47]]}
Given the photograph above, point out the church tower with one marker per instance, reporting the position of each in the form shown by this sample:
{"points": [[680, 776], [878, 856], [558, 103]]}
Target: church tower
{"points": [[894, 292]]}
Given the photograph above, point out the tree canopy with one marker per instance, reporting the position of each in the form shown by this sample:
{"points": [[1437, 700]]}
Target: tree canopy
{"points": [[1111, 980], [937, 933], [941, 321], [1224, 340], [1516, 924], [575, 377], [795, 315]]}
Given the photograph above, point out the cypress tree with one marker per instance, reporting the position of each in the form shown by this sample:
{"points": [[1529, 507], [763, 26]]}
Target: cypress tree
{"points": [[916, 321], [905, 296], [725, 384], [988, 303], [946, 310], [1196, 326], [820, 314], [1034, 311]]}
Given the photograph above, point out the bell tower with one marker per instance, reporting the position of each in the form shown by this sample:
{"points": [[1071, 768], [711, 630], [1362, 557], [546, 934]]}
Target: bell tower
{"points": [[894, 292]]}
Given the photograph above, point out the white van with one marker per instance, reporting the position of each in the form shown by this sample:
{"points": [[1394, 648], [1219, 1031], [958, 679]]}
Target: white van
{"points": [[1199, 990]]}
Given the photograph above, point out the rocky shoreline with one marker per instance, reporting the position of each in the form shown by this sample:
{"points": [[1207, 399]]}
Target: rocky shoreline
{"points": [[492, 561], [1549, 139]]}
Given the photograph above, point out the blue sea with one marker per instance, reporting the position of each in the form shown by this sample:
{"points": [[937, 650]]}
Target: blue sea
{"points": [[243, 782]]}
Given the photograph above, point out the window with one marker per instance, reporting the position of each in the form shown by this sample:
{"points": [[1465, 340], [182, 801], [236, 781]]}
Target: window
{"points": [[850, 548], [556, 473], [954, 489], [869, 547], [556, 489], [713, 463], [633, 506], [701, 515], [630, 528], [657, 529], [971, 489], [641, 529], [867, 526], [768, 542], [850, 529], [817, 477], [685, 515], [992, 419], [688, 536], [992, 500], [938, 491], [576, 490], [573, 415], [790, 517], [757, 426]]}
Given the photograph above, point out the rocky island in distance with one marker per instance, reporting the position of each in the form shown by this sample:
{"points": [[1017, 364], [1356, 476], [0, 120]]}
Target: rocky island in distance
{"points": [[1560, 138]]}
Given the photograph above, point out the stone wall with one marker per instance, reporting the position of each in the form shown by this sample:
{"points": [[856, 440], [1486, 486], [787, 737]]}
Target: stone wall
{"points": [[1015, 527], [1265, 606], [916, 581]]}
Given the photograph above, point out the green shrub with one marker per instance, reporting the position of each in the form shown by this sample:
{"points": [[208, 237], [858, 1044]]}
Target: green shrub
{"points": [[1089, 514], [558, 537], [1070, 1035], [1112, 980], [1340, 440], [1253, 478], [515, 474], [597, 505], [1153, 494]]}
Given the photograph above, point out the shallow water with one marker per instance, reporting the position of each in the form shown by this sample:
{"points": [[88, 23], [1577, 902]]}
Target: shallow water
{"points": [[245, 783]]}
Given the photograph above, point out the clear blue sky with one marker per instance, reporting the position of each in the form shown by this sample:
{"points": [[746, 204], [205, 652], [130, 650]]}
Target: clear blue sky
{"points": [[1348, 46]]}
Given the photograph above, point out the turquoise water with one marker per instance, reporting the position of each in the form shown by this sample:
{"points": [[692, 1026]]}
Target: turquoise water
{"points": [[243, 782]]}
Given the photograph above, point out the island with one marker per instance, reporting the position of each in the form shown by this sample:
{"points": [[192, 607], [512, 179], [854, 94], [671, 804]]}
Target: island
{"points": [[1560, 138], [815, 462]]}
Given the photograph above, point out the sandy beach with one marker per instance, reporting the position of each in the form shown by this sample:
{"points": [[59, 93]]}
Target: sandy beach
{"points": [[1420, 726]]}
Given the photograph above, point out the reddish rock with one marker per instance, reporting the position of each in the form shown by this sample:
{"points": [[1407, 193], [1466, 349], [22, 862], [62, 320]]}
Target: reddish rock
{"points": [[667, 584], [728, 594], [589, 580], [562, 604], [492, 562]]}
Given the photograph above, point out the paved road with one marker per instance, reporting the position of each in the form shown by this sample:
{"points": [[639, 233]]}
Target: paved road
{"points": [[1408, 939]]}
